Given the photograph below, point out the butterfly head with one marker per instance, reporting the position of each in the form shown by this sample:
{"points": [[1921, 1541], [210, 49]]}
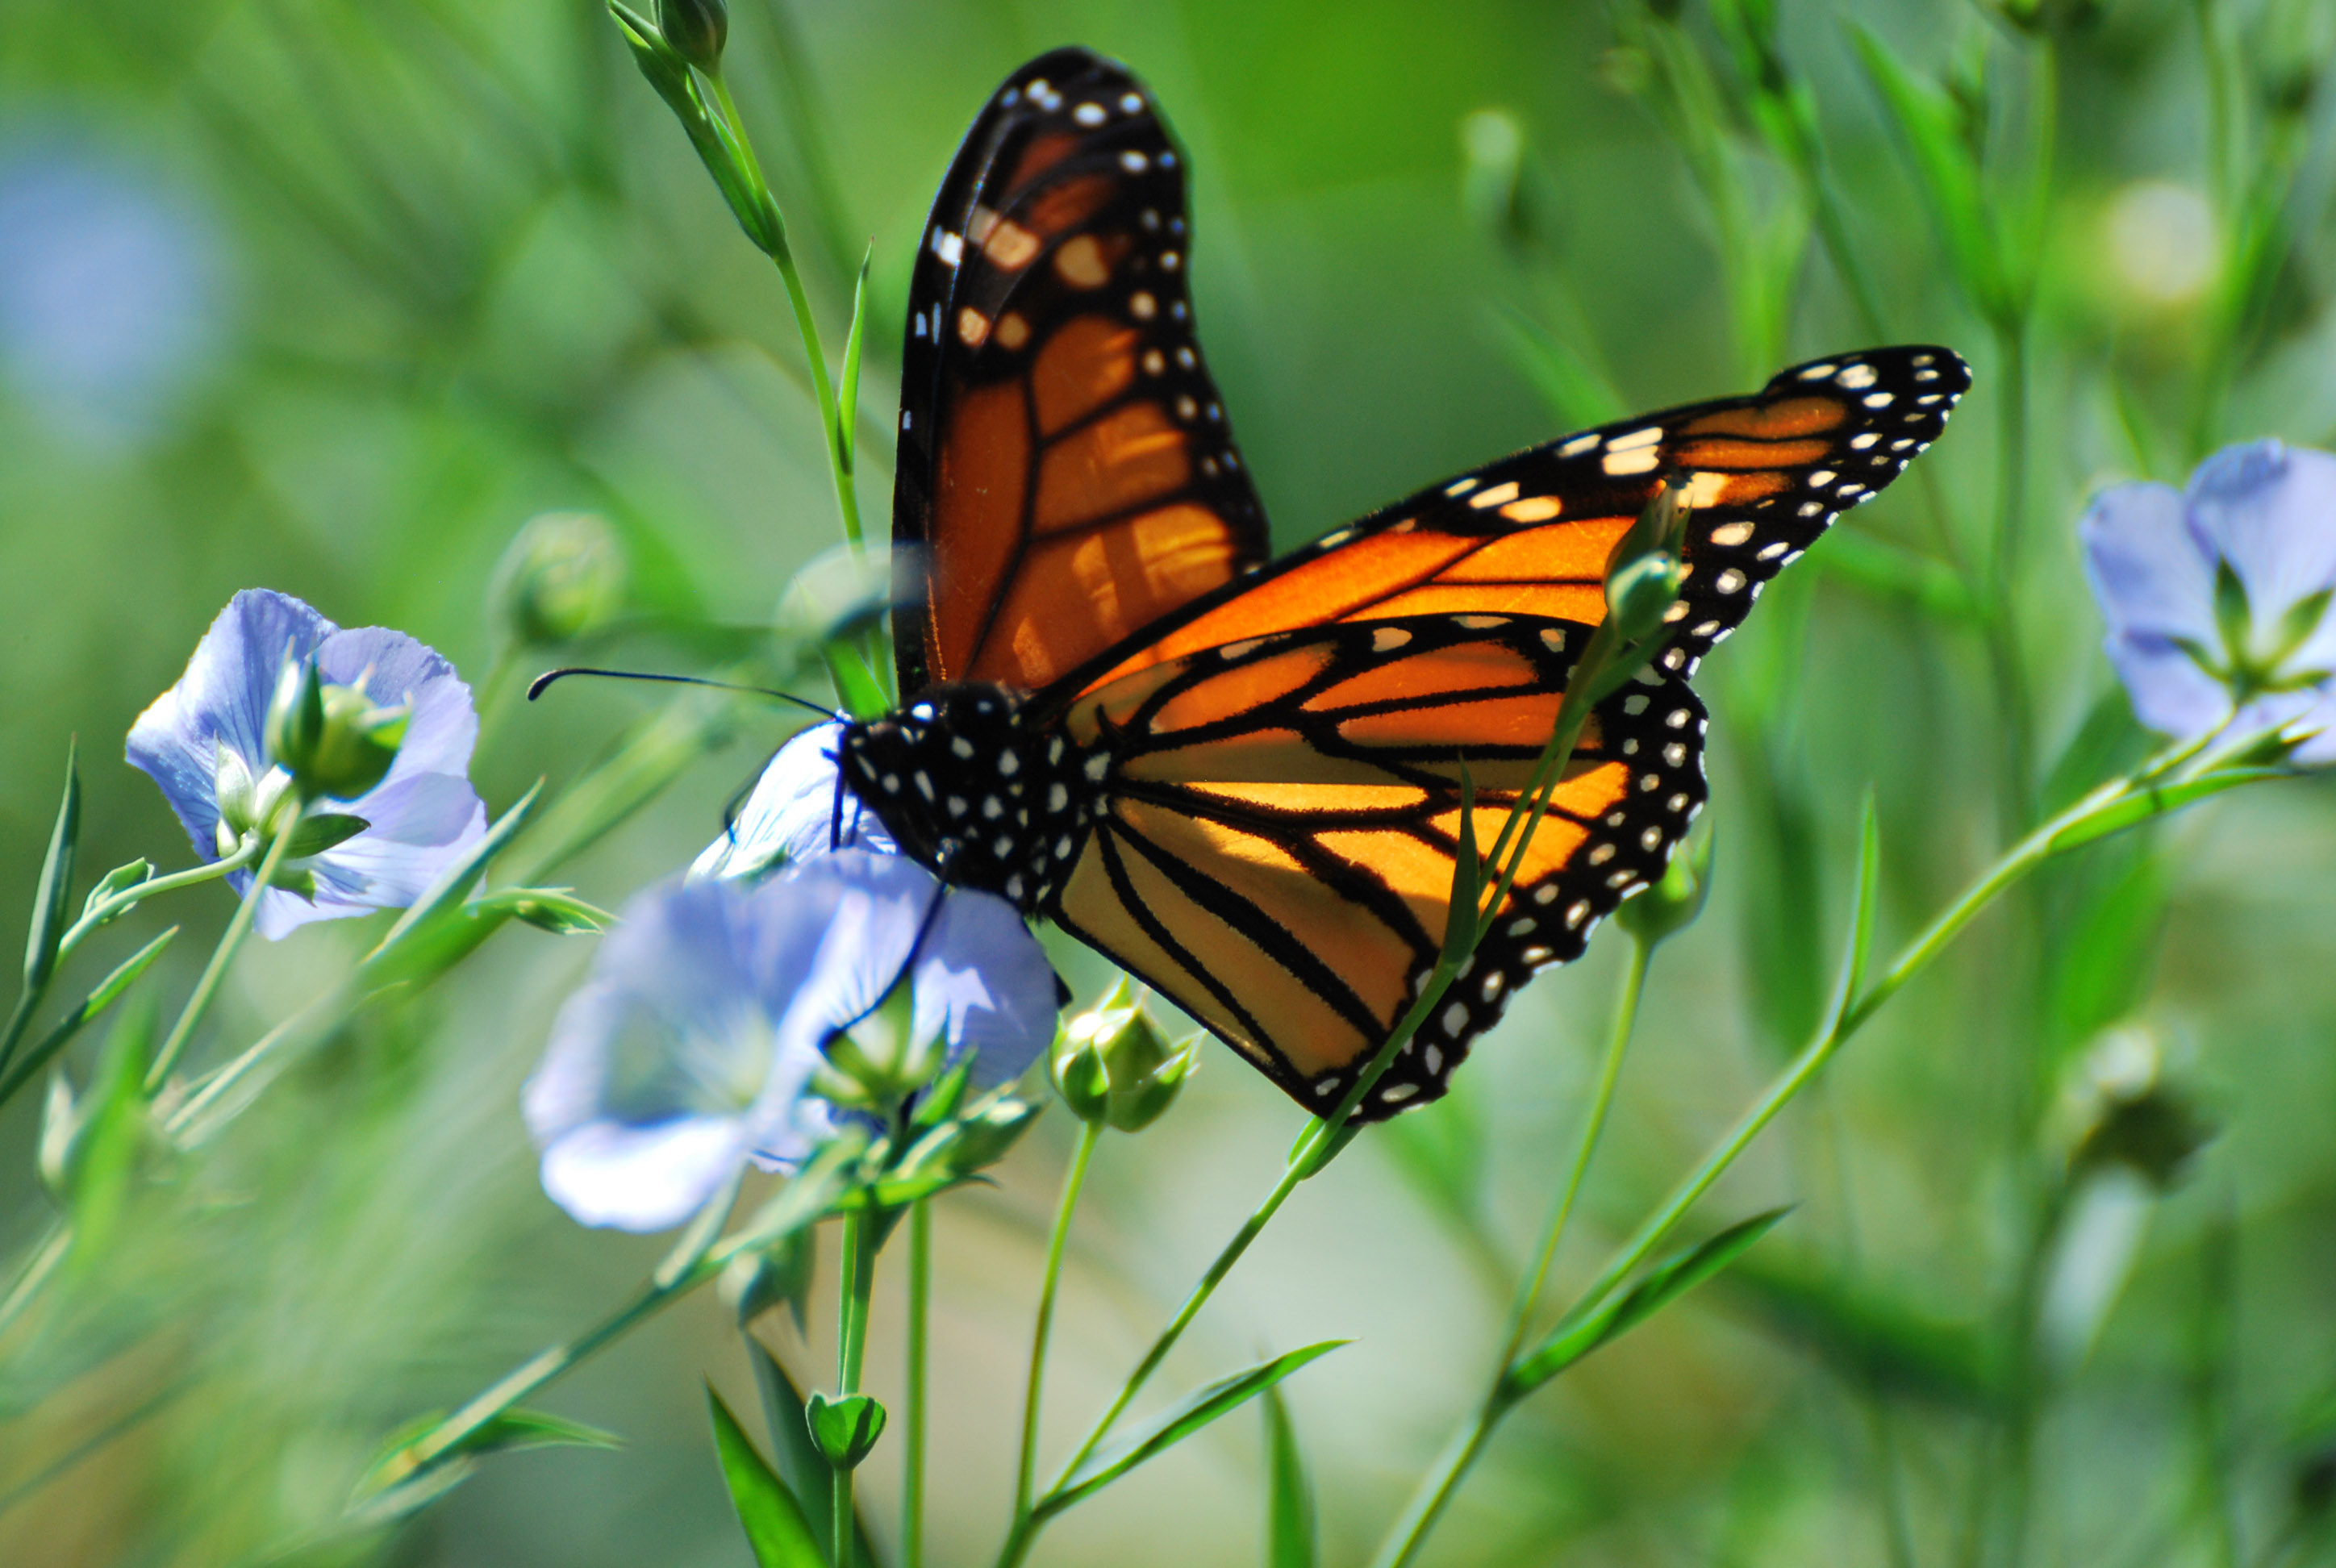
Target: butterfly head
{"points": [[984, 798]]}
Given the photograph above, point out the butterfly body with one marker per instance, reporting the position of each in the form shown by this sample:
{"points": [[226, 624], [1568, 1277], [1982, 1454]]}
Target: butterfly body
{"points": [[1242, 779], [965, 783]]}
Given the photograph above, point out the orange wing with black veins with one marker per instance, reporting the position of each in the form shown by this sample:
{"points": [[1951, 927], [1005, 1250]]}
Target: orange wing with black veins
{"points": [[1065, 460]]}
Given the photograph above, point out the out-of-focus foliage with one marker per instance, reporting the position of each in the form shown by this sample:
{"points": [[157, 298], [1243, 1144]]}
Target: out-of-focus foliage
{"points": [[334, 296]]}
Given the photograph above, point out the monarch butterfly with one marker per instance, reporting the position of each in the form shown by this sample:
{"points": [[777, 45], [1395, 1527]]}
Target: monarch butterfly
{"points": [[1239, 779]]}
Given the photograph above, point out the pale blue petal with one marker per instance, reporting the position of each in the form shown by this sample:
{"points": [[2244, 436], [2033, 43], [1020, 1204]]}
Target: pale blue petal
{"points": [[642, 1178], [2269, 509], [2170, 694], [798, 811], [222, 700], [984, 983], [2148, 570]]}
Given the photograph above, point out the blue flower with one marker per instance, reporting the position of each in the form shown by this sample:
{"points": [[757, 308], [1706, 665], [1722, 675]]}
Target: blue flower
{"points": [[2216, 596], [694, 1046], [204, 742], [799, 811]]}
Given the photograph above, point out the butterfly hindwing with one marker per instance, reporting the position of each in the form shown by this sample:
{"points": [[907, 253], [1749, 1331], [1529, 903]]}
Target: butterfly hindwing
{"points": [[1283, 819], [1764, 475], [1065, 460]]}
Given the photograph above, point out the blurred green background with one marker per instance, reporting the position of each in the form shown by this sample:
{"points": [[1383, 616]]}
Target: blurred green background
{"points": [[332, 296]]}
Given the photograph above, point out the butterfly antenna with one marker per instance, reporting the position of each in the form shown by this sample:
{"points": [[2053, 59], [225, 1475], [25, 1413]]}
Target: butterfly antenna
{"points": [[535, 688]]}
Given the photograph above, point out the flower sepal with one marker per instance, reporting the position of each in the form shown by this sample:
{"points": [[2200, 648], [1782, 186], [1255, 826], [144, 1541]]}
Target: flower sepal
{"points": [[846, 1428], [878, 1062]]}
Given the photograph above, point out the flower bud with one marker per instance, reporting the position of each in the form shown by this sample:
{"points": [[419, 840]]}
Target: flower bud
{"points": [[845, 1430], [333, 740], [1113, 1065], [1670, 905], [562, 575], [2131, 1116], [1644, 572], [1492, 176], [697, 30]]}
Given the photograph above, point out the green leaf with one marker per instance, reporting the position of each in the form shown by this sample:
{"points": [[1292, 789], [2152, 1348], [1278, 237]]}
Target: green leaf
{"points": [[802, 1465], [120, 878], [321, 832], [1926, 117], [1173, 1425], [775, 1523], [391, 1488], [847, 394], [109, 991], [56, 881], [2145, 805], [1289, 1535], [1577, 1336], [104, 1160], [553, 910]]}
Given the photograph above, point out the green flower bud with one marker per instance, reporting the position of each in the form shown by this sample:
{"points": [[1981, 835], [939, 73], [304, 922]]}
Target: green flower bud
{"points": [[697, 30], [1113, 1065], [1670, 905], [335, 741], [562, 575], [2130, 1115], [1644, 572], [845, 1430], [1491, 175], [1639, 593]]}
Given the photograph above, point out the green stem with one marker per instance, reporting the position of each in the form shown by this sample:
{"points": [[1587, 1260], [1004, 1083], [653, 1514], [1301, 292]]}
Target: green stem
{"points": [[130, 898], [1025, 1477], [29, 1002], [920, 1295], [238, 927], [847, 496], [1435, 1489], [856, 1290]]}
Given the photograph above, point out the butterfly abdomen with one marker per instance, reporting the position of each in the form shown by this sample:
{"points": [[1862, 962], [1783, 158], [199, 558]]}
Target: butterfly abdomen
{"points": [[981, 796]]}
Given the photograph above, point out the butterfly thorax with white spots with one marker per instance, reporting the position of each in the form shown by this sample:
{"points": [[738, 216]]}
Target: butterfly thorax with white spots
{"points": [[975, 794]]}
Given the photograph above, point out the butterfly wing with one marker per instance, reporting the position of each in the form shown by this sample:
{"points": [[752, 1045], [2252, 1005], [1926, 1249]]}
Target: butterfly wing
{"points": [[1284, 816], [1282, 811], [1765, 475], [1064, 461]]}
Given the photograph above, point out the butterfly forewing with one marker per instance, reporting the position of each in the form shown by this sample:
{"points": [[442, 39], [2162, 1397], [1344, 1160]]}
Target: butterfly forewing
{"points": [[1283, 820], [1065, 460], [1764, 476]]}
